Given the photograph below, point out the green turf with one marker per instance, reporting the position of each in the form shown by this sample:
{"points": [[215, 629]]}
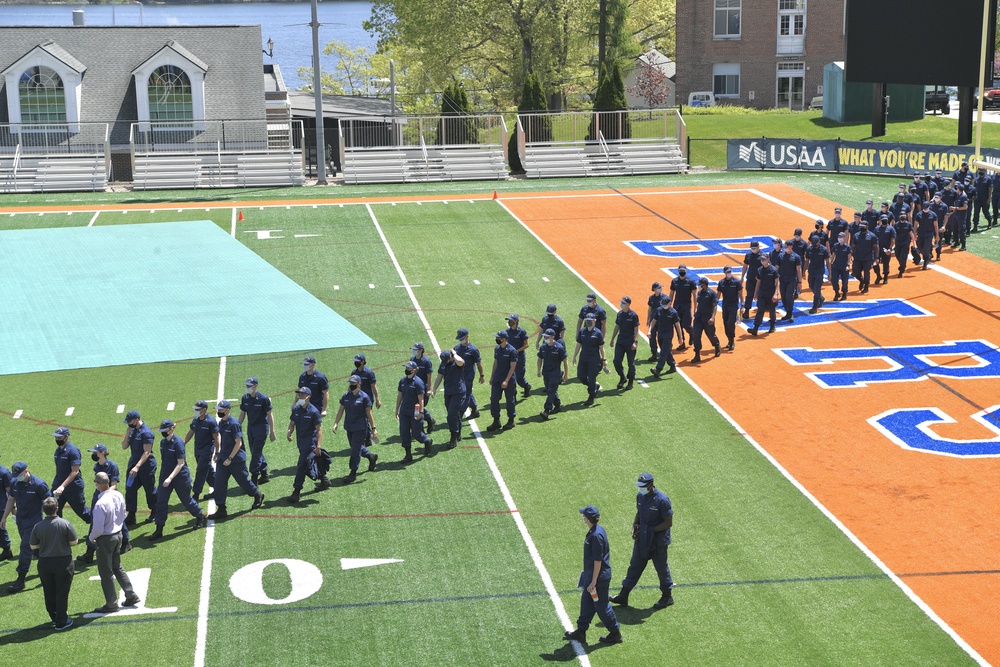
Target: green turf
{"points": [[763, 577]]}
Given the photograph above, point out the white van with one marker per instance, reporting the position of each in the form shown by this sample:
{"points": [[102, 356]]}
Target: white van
{"points": [[702, 98]]}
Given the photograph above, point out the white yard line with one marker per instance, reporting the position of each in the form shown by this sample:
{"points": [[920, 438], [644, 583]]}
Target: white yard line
{"points": [[484, 447], [93, 219]]}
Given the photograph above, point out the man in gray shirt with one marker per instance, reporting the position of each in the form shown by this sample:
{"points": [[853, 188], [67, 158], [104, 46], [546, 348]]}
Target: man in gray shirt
{"points": [[52, 537], [108, 519]]}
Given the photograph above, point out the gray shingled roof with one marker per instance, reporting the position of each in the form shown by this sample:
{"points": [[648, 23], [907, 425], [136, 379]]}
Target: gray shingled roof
{"points": [[234, 88], [339, 106], [181, 51], [62, 54]]}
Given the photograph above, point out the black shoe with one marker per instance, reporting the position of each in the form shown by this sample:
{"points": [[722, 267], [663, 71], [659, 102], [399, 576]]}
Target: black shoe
{"points": [[629, 385], [697, 358], [150, 518], [576, 636], [495, 426], [427, 447], [786, 318], [126, 548], [85, 558], [409, 457], [544, 415], [664, 602], [324, 484], [527, 391], [255, 478], [430, 423], [771, 328], [753, 332], [218, 514], [718, 349], [589, 401], [813, 311], [351, 477], [7, 554], [264, 478], [653, 357], [612, 638], [731, 346], [108, 609], [294, 498], [621, 383], [556, 408], [746, 314], [620, 599], [372, 460], [199, 521], [475, 414], [671, 369], [655, 373], [65, 626], [509, 425], [130, 519], [681, 348], [17, 585], [453, 442], [258, 500], [156, 534], [131, 601]]}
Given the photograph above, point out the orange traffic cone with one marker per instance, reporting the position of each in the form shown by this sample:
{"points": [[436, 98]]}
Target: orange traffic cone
{"points": [[240, 217], [494, 194]]}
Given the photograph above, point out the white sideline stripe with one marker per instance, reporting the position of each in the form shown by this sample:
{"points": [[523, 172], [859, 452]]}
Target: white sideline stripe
{"points": [[484, 447], [94, 219], [851, 536], [475, 282], [18, 413], [69, 412], [336, 288], [170, 406], [510, 280], [121, 408], [232, 224], [544, 279]]}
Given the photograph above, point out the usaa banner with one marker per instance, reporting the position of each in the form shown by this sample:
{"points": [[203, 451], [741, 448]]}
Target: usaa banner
{"points": [[781, 154], [896, 158]]}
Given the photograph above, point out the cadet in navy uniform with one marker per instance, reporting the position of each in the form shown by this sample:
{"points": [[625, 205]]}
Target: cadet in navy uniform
{"points": [[590, 340], [305, 422], [682, 289], [550, 321], [852, 228], [319, 386], [626, 324], [790, 275], [886, 212], [255, 407], [425, 373], [452, 373], [67, 485], [518, 337], [995, 186], [982, 184], [864, 248], [870, 215], [765, 295], [205, 431], [99, 454], [948, 196], [886, 235], [959, 213], [840, 263], [652, 303], [920, 187], [174, 476], [651, 531], [838, 224], [473, 362], [356, 408], [940, 210], [599, 313], [6, 479], [730, 293], [931, 186], [751, 267], [962, 175], [799, 245], [928, 233], [668, 322], [26, 494], [905, 240], [594, 582], [369, 383], [504, 364], [141, 466], [231, 461], [410, 410], [820, 233], [704, 318], [553, 368], [818, 261]]}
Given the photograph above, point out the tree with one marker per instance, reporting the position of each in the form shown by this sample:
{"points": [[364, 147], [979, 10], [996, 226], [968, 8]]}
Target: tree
{"points": [[533, 100], [358, 72], [651, 84], [462, 129], [610, 107]]}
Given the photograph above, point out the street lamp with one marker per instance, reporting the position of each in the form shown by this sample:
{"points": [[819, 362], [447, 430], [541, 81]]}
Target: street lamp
{"points": [[270, 48]]}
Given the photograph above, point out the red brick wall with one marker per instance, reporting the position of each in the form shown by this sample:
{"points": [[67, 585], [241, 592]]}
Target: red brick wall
{"points": [[756, 50]]}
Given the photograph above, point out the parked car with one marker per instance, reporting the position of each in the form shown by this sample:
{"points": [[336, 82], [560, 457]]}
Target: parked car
{"points": [[703, 98], [991, 98], [936, 98], [816, 103]]}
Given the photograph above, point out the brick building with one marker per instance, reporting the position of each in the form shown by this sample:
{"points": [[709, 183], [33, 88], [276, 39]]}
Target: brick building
{"points": [[758, 53]]}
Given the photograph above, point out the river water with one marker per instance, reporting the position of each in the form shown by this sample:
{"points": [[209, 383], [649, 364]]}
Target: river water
{"points": [[284, 22]]}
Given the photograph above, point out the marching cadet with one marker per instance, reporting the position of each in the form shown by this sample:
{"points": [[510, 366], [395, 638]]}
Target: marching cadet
{"points": [[553, 368], [928, 233], [452, 373], [174, 476], [731, 293], [67, 485], [205, 431], [959, 213], [139, 440], [837, 224], [473, 362], [594, 582], [864, 248], [305, 423], [255, 408], [886, 235], [905, 241], [319, 386], [410, 411], [425, 373], [765, 295], [601, 317], [654, 516], [590, 340], [356, 408], [501, 381], [790, 275], [751, 266], [518, 338], [231, 461], [652, 303], [626, 324], [941, 212], [668, 322], [840, 265], [818, 260], [870, 215], [682, 289], [820, 233], [983, 185], [707, 300], [26, 495], [550, 321]]}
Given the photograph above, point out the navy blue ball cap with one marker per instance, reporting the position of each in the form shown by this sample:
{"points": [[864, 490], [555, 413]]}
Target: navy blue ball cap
{"points": [[590, 512], [550, 333], [309, 360], [659, 286], [682, 267], [18, 468], [591, 297], [418, 345], [665, 300], [645, 479], [590, 317], [445, 355], [166, 425], [462, 333], [501, 334], [61, 432], [727, 269], [551, 308], [251, 382], [410, 365], [354, 379], [224, 405], [837, 209], [306, 391], [360, 357], [200, 405], [132, 414], [703, 280], [98, 449], [626, 299], [513, 317], [753, 244]]}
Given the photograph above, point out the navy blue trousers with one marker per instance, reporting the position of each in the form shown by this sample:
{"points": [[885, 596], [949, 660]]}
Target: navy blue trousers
{"points": [[237, 469]]}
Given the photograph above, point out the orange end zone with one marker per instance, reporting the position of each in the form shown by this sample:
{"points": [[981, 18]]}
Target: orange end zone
{"points": [[919, 512]]}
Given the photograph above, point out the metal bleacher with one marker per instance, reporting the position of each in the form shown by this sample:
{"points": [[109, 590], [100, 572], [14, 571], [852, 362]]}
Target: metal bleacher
{"points": [[53, 157], [395, 150], [220, 154], [574, 144]]}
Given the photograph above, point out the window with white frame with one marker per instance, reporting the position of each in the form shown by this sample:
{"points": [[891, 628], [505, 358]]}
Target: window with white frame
{"points": [[170, 88], [170, 96], [791, 26], [726, 80], [727, 19], [42, 96]]}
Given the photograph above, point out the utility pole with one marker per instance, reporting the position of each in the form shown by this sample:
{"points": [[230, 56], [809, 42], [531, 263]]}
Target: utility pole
{"points": [[602, 32], [318, 99]]}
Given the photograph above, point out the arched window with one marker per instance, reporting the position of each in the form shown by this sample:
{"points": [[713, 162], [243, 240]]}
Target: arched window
{"points": [[42, 96], [170, 95]]}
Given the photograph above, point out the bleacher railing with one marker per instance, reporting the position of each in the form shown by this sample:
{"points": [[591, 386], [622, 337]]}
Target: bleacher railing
{"points": [[585, 126], [50, 139], [215, 137], [409, 131]]}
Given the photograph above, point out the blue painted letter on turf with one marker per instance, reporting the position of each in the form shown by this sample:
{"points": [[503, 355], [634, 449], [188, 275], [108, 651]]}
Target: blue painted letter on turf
{"points": [[910, 428], [906, 363], [699, 247]]}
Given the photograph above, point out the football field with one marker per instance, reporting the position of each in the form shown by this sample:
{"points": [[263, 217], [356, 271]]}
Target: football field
{"points": [[833, 487]]}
